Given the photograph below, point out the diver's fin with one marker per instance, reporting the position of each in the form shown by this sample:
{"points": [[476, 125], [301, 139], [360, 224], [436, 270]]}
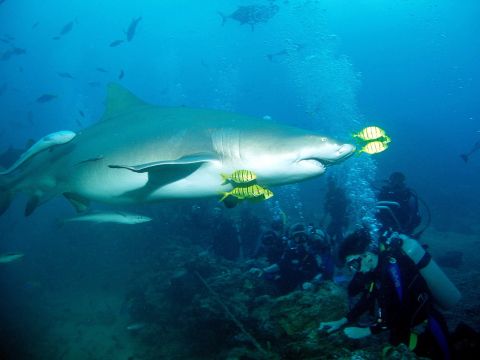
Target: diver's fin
{"points": [[32, 204], [159, 165], [78, 202], [119, 100], [464, 157]]}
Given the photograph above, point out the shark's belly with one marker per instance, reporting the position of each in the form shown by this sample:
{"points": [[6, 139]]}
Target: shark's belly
{"points": [[122, 186]]}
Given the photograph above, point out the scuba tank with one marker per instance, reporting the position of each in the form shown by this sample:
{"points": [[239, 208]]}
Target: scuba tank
{"points": [[445, 294]]}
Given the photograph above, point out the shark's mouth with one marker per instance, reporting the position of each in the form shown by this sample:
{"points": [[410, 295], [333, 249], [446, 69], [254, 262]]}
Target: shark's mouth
{"points": [[328, 162], [343, 152], [315, 162]]}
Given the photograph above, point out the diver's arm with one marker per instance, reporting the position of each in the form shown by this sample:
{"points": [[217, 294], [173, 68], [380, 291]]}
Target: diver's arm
{"points": [[359, 308]]}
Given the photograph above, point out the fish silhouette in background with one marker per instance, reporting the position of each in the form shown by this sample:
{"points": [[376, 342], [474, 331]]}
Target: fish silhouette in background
{"points": [[65, 75], [251, 14], [5, 39], [14, 51], [474, 149], [65, 30], [295, 47], [46, 98], [121, 75], [102, 70], [132, 28], [116, 43]]}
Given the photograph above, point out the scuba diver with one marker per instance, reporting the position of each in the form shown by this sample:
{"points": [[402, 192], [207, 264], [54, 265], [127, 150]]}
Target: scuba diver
{"points": [[320, 245], [475, 148], [272, 242], [398, 206], [298, 263], [336, 204], [399, 286]]}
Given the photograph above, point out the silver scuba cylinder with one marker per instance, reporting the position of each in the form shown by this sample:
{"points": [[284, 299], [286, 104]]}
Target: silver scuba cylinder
{"points": [[445, 293]]}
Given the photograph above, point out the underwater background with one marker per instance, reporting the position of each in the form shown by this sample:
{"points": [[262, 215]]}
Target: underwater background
{"points": [[333, 66]]}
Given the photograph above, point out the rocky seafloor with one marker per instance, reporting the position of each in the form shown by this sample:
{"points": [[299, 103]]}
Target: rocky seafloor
{"points": [[211, 308]]}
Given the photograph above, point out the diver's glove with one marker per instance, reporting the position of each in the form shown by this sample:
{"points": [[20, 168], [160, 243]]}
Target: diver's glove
{"points": [[332, 326], [357, 332]]}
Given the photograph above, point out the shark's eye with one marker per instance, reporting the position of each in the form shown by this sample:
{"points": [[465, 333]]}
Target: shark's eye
{"points": [[323, 139]]}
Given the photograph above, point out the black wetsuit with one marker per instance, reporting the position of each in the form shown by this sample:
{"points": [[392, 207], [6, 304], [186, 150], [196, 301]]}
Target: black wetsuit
{"points": [[399, 299], [271, 246], [297, 266], [407, 216]]}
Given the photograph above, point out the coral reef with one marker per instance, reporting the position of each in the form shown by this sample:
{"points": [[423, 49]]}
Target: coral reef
{"points": [[217, 309]]}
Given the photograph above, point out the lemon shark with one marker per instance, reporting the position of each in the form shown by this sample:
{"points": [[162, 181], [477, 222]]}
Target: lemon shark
{"points": [[141, 153]]}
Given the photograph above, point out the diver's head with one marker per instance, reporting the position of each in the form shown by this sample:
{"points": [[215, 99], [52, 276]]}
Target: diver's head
{"points": [[356, 253], [397, 179], [298, 233], [362, 263]]}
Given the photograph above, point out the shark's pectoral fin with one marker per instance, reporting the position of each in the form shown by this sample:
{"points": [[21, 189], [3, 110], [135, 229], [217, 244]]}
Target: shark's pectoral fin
{"points": [[32, 204], [184, 161], [161, 173], [78, 202]]}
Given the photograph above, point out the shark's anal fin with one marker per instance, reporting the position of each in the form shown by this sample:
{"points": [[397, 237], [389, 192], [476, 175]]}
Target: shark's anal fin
{"points": [[32, 204], [78, 202], [193, 159]]}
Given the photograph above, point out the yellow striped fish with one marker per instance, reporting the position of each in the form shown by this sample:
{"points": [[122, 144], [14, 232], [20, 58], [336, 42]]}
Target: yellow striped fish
{"points": [[252, 192], [239, 177], [370, 133], [267, 194], [374, 147]]}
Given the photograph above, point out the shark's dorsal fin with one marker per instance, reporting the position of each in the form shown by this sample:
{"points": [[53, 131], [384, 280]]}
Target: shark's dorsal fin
{"points": [[119, 101]]}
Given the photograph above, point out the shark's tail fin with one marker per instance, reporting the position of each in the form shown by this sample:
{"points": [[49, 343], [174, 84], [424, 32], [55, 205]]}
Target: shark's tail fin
{"points": [[224, 17], [464, 157]]}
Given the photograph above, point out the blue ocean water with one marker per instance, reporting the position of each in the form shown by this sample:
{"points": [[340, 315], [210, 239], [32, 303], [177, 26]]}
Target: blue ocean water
{"points": [[408, 66]]}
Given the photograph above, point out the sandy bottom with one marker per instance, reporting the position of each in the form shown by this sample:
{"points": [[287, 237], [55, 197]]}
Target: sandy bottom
{"points": [[85, 326]]}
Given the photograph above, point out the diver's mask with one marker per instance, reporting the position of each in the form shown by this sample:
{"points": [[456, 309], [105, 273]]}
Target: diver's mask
{"points": [[362, 263], [354, 262]]}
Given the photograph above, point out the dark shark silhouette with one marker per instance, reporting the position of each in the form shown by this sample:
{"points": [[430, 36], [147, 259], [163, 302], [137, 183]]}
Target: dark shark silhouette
{"points": [[251, 14], [475, 148]]}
